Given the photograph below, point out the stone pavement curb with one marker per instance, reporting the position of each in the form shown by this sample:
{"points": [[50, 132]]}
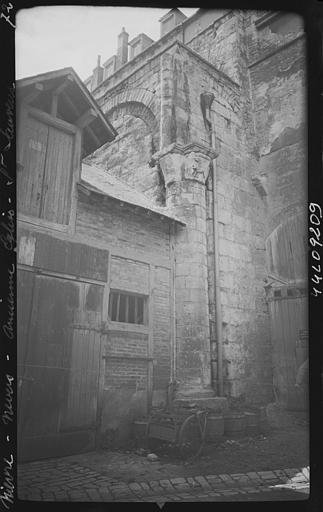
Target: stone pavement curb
{"points": [[76, 483]]}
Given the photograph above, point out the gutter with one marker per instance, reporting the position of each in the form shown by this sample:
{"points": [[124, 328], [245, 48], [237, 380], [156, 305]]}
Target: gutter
{"points": [[217, 294], [206, 102]]}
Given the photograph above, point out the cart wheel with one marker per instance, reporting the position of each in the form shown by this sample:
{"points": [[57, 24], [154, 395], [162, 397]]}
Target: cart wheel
{"points": [[190, 438]]}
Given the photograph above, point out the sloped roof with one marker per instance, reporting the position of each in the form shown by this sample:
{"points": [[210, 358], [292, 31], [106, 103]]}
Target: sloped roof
{"points": [[97, 180], [74, 101]]}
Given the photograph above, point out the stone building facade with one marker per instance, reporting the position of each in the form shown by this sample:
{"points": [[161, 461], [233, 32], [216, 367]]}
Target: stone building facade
{"points": [[212, 123], [179, 269]]}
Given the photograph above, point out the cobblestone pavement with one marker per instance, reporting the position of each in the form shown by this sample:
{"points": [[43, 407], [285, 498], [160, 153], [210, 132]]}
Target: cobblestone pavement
{"points": [[68, 480]]}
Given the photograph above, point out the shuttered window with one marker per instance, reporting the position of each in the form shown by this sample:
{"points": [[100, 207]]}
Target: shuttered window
{"points": [[127, 308]]}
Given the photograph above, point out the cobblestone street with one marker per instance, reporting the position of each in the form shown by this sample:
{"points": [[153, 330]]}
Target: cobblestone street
{"points": [[68, 479]]}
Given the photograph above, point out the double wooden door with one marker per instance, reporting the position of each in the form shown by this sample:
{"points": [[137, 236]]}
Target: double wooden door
{"points": [[59, 357]]}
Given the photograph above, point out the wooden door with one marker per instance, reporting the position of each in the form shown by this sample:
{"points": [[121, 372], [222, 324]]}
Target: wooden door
{"points": [[80, 407], [287, 249], [59, 358], [25, 286]]}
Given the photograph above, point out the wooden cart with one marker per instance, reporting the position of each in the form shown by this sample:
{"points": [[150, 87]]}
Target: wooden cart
{"points": [[184, 428]]}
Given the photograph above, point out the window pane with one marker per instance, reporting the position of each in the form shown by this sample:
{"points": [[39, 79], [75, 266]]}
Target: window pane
{"points": [[126, 308], [113, 305], [122, 309], [131, 312], [140, 310]]}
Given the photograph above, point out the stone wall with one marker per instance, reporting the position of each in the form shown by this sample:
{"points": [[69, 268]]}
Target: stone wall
{"points": [[278, 84], [241, 226], [277, 67], [256, 77], [128, 157]]}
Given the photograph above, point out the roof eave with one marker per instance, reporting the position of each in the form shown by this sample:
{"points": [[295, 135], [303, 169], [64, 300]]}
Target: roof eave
{"points": [[90, 189], [24, 82]]}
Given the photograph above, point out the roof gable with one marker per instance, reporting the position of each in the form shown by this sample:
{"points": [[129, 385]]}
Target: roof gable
{"points": [[75, 104]]}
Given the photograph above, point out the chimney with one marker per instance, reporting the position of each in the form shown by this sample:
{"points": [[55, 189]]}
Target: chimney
{"points": [[122, 52], [170, 20], [139, 44], [97, 74]]}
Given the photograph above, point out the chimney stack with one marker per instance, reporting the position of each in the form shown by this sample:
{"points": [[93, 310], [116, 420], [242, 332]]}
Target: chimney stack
{"points": [[97, 74], [122, 52], [170, 20]]}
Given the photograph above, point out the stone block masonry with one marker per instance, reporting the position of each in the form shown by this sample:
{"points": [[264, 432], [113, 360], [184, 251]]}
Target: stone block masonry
{"points": [[257, 78], [185, 170]]}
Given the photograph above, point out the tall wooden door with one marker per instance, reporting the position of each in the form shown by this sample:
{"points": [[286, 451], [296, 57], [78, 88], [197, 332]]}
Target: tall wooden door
{"points": [[289, 325], [287, 257], [59, 360]]}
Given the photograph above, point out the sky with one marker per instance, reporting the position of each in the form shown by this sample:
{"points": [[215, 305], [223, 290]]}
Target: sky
{"points": [[53, 37]]}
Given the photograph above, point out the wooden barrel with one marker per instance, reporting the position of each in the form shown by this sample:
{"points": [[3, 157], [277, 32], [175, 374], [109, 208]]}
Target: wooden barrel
{"points": [[252, 423], [263, 420], [214, 427], [235, 425], [140, 430]]}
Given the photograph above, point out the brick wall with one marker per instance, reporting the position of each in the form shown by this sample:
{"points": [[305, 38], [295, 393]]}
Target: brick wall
{"points": [[161, 329], [141, 266], [104, 220]]}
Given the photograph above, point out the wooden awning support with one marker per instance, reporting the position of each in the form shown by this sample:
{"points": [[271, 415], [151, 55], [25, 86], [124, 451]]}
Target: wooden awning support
{"points": [[76, 112], [69, 79]]}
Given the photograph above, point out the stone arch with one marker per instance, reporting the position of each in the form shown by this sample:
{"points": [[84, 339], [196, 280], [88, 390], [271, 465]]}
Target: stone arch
{"points": [[139, 110], [137, 102]]}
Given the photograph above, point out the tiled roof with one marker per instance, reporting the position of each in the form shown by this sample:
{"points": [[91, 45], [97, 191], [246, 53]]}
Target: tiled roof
{"points": [[97, 180]]}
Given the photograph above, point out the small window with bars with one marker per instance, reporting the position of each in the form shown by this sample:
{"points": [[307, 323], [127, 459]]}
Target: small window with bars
{"points": [[127, 308]]}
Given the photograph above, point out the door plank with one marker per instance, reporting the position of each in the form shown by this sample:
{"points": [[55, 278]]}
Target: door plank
{"points": [[58, 177], [30, 178]]}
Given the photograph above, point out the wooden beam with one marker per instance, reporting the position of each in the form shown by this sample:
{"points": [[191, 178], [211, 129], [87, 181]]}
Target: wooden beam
{"points": [[94, 137], [56, 92], [32, 95], [53, 109], [71, 104], [77, 114], [86, 118], [68, 80]]}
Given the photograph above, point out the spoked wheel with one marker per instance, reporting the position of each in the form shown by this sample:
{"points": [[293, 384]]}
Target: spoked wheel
{"points": [[191, 436]]}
